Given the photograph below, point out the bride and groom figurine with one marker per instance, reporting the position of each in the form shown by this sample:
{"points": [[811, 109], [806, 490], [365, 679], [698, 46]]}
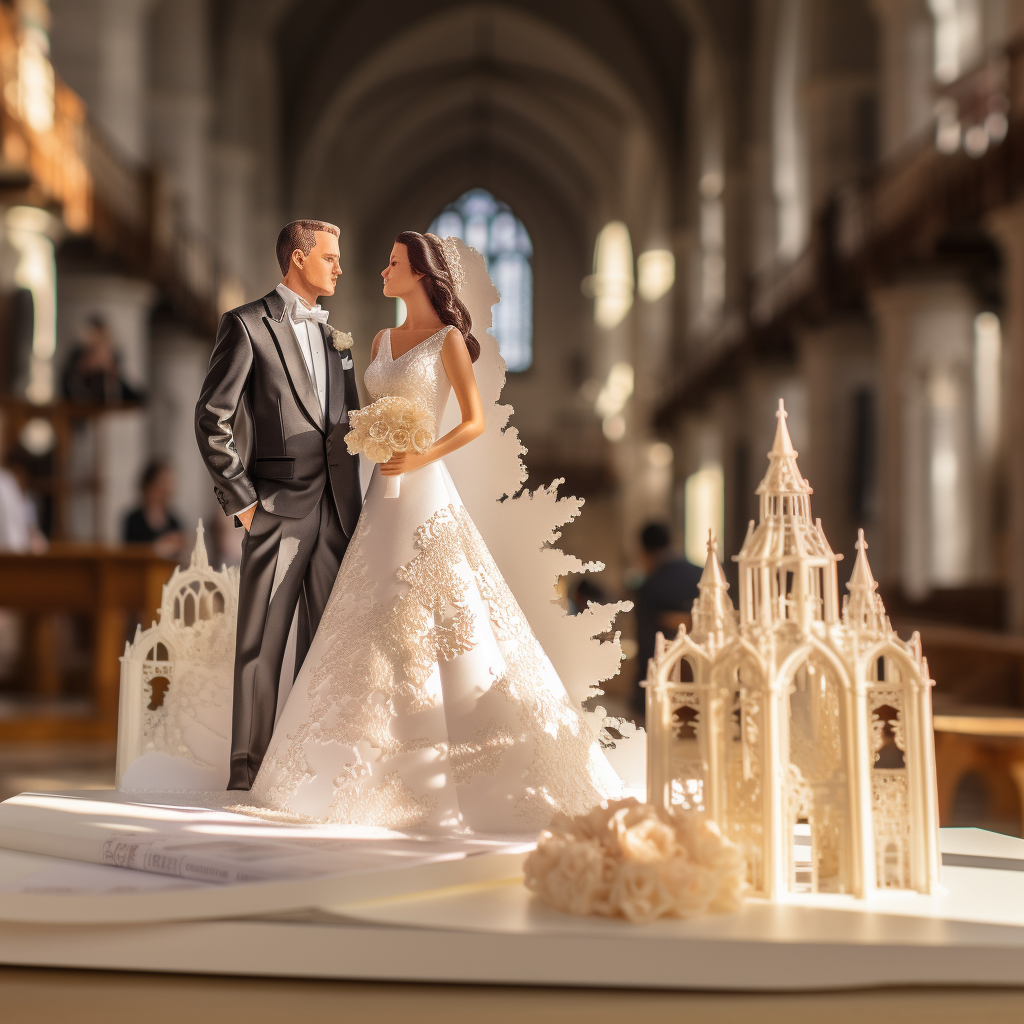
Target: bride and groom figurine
{"points": [[422, 697]]}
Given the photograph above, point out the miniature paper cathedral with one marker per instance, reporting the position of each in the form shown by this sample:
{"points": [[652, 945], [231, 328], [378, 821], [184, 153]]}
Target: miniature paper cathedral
{"points": [[792, 723], [174, 717]]}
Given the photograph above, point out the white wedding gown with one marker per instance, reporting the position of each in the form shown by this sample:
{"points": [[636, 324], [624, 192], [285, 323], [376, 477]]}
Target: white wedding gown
{"points": [[425, 699]]}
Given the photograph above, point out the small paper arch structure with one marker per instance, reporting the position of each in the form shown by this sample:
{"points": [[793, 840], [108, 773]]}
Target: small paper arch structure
{"points": [[174, 716]]}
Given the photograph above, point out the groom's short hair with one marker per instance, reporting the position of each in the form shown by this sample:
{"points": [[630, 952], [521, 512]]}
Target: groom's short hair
{"points": [[300, 234]]}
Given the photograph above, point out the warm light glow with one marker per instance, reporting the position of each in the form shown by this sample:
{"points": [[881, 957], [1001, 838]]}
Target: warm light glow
{"points": [[230, 294], [947, 126], [704, 509], [957, 36], [36, 272], [611, 284], [400, 312], [711, 185], [656, 273], [976, 140], [38, 437], [789, 157], [616, 391], [949, 538], [988, 358], [614, 427], [35, 82], [659, 455]]}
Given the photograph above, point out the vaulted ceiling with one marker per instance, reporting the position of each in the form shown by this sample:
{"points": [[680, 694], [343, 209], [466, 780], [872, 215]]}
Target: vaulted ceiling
{"points": [[561, 107]]}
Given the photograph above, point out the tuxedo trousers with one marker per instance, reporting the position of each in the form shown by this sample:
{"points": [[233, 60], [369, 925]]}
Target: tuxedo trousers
{"points": [[285, 563]]}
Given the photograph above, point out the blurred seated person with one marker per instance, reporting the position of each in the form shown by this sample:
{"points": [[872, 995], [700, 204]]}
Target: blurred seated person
{"points": [[93, 370], [583, 594], [665, 599], [153, 522]]}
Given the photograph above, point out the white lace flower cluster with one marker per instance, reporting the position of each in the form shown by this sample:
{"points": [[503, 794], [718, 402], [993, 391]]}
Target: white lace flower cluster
{"points": [[633, 860], [391, 424]]}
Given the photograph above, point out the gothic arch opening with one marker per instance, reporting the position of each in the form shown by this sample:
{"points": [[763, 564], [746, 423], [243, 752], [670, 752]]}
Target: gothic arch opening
{"points": [[817, 803]]}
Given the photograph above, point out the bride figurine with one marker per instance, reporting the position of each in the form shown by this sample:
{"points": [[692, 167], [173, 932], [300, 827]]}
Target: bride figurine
{"points": [[425, 700]]}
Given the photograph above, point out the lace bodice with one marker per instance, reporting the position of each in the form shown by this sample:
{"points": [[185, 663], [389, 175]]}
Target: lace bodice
{"points": [[417, 375]]}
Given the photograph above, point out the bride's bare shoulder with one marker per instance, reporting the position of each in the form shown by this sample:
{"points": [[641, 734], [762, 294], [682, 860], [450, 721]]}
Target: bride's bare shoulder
{"points": [[376, 344], [453, 340]]}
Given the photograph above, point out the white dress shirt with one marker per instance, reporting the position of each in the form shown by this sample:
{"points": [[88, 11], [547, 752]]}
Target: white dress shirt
{"points": [[311, 344]]}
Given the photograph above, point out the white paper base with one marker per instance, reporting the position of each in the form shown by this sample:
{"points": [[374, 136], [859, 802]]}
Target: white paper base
{"points": [[494, 933]]}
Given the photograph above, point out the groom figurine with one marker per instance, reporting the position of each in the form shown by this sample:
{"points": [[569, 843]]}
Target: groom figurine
{"points": [[271, 425]]}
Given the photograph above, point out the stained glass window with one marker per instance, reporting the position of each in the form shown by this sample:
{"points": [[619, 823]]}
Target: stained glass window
{"points": [[491, 227]]}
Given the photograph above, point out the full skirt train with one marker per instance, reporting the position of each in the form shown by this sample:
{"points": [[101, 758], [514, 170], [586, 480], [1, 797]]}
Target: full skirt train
{"points": [[426, 700]]}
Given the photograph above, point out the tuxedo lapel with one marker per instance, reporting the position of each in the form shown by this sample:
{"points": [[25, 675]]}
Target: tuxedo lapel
{"points": [[336, 374], [294, 363]]}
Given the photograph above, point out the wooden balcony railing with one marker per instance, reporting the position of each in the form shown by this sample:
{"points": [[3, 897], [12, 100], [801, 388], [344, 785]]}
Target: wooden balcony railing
{"points": [[894, 215], [64, 162]]}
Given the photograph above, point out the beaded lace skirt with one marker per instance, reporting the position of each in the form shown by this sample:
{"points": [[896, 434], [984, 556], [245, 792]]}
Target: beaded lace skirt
{"points": [[425, 699]]}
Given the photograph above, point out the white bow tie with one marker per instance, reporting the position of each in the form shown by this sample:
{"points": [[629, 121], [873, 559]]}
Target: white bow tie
{"points": [[303, 312]]}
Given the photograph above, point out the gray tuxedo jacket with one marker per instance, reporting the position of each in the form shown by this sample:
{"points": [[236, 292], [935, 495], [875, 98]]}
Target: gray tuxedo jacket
{"points": [[258, 420]]}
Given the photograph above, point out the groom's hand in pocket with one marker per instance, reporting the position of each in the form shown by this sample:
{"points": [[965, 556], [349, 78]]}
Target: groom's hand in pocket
{"points": [[245, 518]]}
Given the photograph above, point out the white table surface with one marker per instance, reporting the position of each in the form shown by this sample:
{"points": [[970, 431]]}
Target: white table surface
{"points": [[494, 933]]}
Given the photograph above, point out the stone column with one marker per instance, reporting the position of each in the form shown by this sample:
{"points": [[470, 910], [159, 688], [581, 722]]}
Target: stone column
{"points": [[905, 89], [1007, 224], [181, 103], [122, 437], [29, 232], [180, 361], [99, 47], [231, 228], [927, 507], [839, 366]]}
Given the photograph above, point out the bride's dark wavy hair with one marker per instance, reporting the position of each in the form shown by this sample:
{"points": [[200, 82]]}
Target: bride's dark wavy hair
{"points": [[427, 258]]}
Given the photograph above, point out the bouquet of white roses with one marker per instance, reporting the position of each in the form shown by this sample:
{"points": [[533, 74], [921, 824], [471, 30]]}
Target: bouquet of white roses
{"points": [[390, 425]]}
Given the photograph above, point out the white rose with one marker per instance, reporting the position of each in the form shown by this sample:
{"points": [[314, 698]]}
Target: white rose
{"points": [[341, 340]]}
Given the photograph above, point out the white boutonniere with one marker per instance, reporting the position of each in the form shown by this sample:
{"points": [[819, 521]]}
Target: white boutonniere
{"points": [[341, 340]]}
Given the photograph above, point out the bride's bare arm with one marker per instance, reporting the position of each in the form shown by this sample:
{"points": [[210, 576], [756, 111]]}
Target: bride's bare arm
{"points": [[459, 368]]}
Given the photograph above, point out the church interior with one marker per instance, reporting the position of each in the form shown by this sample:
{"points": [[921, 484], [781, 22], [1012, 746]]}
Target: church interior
{"points": [[692, 209]]}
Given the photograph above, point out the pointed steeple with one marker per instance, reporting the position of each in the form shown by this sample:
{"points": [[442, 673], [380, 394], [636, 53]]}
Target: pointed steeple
{"points": [[783, 442], [783, 478], [200, 560], [713, 611], [801, 586], [863, 608]]}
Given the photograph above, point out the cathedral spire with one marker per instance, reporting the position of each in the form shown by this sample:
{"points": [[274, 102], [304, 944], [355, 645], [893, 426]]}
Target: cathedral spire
{"points": [[783, 445], [787, 569], [783, 479], [200, 560], [713, 612], [863, 607]]}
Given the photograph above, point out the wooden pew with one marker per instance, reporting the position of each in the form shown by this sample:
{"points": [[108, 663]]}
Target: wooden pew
{"points": [[104, 583]]}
